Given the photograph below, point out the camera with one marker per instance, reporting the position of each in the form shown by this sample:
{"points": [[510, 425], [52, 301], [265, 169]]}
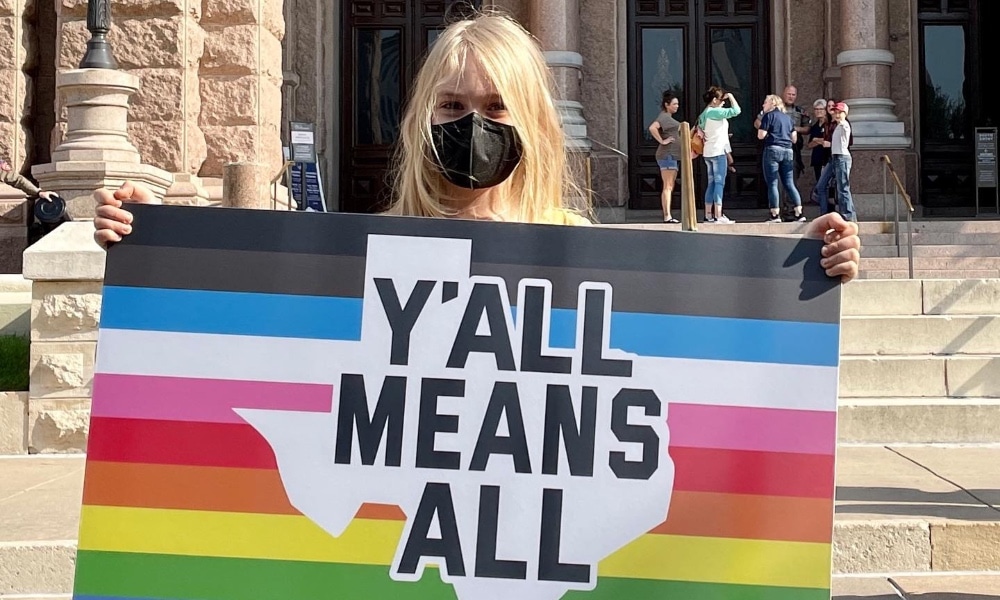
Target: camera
{"points": [[48, 214]]}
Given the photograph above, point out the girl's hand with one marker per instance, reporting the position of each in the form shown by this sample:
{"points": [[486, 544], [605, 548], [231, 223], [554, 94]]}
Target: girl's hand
{"points": [[112, 221], [667, 141], [842, 247]]}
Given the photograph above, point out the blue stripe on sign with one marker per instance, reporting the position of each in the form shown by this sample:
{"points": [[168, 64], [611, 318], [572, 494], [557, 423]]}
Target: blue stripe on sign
{"points": [[334, 318], [232, 313], [711, 338]]}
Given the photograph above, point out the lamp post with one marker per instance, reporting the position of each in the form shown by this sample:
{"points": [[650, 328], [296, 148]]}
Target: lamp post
{"points": [[98, 54]]}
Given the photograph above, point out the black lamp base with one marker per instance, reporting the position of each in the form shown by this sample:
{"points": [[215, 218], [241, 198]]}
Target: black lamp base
{"points": [[98, 54]]}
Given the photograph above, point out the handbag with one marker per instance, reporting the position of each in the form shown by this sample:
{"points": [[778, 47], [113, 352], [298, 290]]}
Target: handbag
{"points": [[697, 142]]}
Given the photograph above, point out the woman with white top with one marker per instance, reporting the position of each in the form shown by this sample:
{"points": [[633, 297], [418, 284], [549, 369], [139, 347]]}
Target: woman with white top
{"points": [[840, 161], [714, 123]]}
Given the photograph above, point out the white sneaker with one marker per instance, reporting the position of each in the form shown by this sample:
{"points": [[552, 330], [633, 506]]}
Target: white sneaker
{"points": [[724, 219]]}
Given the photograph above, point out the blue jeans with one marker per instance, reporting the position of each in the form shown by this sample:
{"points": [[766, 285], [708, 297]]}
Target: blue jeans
{"points": [[841, 164], [780, 162], [717, 168], [821, 193]]}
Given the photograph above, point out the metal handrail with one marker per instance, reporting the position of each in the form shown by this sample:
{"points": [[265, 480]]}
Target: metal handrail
{"points": [[282, 173], [897, 191]]}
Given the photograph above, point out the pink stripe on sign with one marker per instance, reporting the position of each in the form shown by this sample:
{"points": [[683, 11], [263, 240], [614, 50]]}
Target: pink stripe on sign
{"points": [[748, 428], [200, 400]]}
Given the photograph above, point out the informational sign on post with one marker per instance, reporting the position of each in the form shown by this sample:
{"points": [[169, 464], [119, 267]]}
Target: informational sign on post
{"points": [[986, 165], [307, 184], [303, 142], [312, 197], [364, 406]]}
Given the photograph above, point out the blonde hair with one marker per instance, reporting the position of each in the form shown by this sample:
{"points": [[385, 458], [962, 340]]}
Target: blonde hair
{"points": [[536, 191], [777, 101]]}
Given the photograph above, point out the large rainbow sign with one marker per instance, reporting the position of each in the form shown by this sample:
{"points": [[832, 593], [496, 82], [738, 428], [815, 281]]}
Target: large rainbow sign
{"points": [[298, 406]]}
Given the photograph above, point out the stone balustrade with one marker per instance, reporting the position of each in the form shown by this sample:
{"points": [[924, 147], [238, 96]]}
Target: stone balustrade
{"points": [[66, 269]]}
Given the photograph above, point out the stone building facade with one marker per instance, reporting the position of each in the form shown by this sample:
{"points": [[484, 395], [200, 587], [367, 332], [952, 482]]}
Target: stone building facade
{"points": [[221, 80]]}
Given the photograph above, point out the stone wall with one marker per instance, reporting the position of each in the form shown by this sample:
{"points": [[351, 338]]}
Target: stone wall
{"points": [[241, 80], [17, 56], [211, 78]]}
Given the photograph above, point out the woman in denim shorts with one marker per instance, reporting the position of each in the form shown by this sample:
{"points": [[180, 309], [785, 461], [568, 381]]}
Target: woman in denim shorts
{"points": [[665, 130]]}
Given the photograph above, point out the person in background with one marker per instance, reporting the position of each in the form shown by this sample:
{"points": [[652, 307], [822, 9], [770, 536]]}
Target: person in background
{"points": [[819, 154], [15, 180], [801, 122], [665, 130], [777, 131], [481, 139], [821, 192], [840, 160], [714, 122]]}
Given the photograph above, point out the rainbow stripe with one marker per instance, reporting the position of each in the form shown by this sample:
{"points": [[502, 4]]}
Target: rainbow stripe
{"points": [[182, 498]]}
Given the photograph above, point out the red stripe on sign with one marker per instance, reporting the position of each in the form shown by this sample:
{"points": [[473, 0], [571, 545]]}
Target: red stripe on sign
{"points": [[241, 446], [755, 473]]}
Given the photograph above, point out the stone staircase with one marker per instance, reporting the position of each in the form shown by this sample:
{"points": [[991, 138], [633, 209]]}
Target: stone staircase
{"points": [[941, 249], [918, 497], [918, 488], [920, 362]]}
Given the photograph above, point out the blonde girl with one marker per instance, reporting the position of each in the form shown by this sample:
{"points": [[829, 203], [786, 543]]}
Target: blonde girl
{"points": [[489, 71]]}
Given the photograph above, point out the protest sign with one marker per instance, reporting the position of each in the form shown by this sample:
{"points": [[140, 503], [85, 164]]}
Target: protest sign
{"points": [[352, 406]]}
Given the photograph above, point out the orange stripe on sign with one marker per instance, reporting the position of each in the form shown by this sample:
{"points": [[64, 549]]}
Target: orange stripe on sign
{"points": [[198, 488], [260, 491], [777, 518]]}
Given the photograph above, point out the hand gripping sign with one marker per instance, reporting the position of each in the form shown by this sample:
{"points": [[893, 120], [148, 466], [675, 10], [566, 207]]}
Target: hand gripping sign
{"points": [[370, 406]]}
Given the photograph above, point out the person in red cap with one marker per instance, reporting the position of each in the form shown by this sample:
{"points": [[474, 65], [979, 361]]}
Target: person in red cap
{"points": [[840, 160]]}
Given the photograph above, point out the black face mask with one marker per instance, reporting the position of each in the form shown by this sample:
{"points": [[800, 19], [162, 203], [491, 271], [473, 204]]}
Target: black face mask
{"points": [[475, 152]]}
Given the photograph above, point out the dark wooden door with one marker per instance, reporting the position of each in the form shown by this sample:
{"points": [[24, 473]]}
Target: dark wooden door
{"points": [[685, 46], [382, 45], [954, 35]]}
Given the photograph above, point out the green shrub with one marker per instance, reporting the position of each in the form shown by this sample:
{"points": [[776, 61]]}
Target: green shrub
{"points": [[13, 363]]}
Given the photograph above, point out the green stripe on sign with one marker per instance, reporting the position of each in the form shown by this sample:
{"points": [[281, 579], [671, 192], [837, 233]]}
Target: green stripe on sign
{"points": [[208, 578], [202, 578]]}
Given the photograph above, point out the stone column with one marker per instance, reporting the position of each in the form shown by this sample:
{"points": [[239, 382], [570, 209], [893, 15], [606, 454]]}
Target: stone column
{"points": [[66, 268], [244, 185], [16, 57], [96, 151], [556, 24], [241, 80], [865, 63]]}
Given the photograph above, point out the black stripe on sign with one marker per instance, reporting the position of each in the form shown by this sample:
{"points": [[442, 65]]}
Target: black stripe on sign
{"points": [[596, 248]]}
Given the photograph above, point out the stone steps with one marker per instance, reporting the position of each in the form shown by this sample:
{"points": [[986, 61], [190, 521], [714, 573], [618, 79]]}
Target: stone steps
{"points": [[920, 376], [926, 274], [937, 586], [918, 420], [942, 250], [936, 263], [925, 334], [907, 509]]}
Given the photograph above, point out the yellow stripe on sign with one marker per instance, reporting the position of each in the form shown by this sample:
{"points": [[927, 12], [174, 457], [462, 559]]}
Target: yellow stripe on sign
{"points": [[235, 535], [373, 542], [722, 560]]}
